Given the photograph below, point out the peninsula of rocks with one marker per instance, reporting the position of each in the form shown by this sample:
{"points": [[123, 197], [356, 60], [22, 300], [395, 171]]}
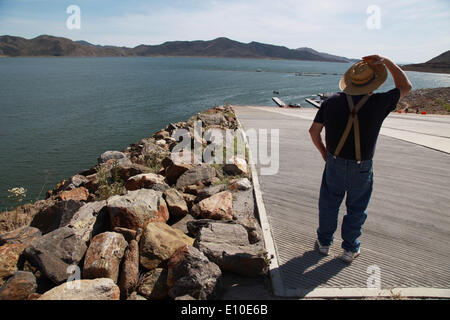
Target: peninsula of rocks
{"points": [[138, 225]]}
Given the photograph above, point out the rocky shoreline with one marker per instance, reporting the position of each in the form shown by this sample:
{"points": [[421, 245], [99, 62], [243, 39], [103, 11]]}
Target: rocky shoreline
{"points": [[431, 101], [141, 225]]}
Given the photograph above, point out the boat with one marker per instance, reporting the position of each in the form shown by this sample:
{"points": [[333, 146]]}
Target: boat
{"points": [[315, 102], [279, 102]]}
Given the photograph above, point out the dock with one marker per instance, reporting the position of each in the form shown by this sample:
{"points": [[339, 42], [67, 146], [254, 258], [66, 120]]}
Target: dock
{"points": [[405, 246]]}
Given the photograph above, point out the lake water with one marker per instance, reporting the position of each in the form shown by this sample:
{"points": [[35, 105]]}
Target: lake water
{"points": [[59, 114]]}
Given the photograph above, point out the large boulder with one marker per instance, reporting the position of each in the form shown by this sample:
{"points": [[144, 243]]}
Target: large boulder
{"points": [[104, 256], [144, 181], [244, 213], [191, 273], [210, 191], [182, 224], [77, 194], [236, 166], [176, 203], [129, 275], [109, 156], [90, 220], [23, 234], [55, 252], [242, 184], [56, 216], [230, 253], [153, 285], [23, 215], [203, 173], [9, 258], [97, 289], [19, 286], [214, 119], [175, 169], [137, 208], [158, 243], [126, 171], [219, 206]]}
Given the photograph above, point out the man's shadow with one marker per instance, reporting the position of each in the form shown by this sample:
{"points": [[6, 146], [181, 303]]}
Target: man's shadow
{"points": [[304, 274]]}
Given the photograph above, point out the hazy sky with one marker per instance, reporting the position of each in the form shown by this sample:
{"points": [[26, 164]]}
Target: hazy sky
{"points": [[410, 30]]}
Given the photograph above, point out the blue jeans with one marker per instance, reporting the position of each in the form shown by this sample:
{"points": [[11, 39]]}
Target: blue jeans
{"points": [[343, 176]]}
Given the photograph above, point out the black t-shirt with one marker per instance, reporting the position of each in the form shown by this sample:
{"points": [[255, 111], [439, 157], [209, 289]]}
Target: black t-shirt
{"points": [[334, 113]]}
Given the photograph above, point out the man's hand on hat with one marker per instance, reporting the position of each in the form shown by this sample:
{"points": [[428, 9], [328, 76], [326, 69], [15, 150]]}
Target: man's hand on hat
{"points": [[375, 59]]}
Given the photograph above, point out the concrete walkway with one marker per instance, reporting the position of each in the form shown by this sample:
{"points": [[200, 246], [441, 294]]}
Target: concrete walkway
{"points": [[406, 239]]}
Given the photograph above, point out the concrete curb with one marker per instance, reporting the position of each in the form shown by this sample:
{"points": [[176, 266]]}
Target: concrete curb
{"points": [[275, 275], [395, 293]]}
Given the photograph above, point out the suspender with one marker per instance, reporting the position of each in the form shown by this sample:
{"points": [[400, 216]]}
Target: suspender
{"points": [[352, 120]]}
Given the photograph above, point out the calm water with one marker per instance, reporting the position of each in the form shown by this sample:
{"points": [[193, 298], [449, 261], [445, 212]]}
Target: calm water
{"points": [[59, 114]]}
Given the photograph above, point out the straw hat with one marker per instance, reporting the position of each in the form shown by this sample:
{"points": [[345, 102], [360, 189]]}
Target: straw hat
{"points": [[363, 78]]}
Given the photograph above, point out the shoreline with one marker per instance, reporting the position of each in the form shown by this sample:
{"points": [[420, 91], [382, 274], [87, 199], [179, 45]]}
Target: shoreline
{"points": [[121, 203]]}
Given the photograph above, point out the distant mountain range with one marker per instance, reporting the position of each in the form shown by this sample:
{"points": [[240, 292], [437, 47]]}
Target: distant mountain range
{"points": [[439, 64], [50, 46]]}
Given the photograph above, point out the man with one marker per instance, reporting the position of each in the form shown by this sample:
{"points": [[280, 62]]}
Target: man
{"points": [[352, 121]]}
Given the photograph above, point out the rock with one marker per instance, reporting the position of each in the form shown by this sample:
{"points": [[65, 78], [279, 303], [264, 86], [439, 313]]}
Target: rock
{"points": [[23, 234], [210, 191], [185, 297], [104, 255], [202, 173], [161, 143], [145, 180], [9, 257], [182, 224], [236, 166], [190, 199], [193, 189], [231, 253], [242, 184], [244, 213], [154, 284], [218, 206], [191, 273], [161, 187], [97, 289], [158, 243], [126, 171], [174, 170], [77, 194], [128, 234], [109, 156], [90, 220], [129, 275], [78, 180], [56, 216], [137, 208], [19, 286], [213, 119], [34, 296], [135, 296], [175, 202], [23, 215], [163, 134], [54, 252]]}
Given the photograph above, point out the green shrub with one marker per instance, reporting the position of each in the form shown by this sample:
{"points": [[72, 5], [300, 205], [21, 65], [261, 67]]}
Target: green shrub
{"points": [[109, 181]]}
